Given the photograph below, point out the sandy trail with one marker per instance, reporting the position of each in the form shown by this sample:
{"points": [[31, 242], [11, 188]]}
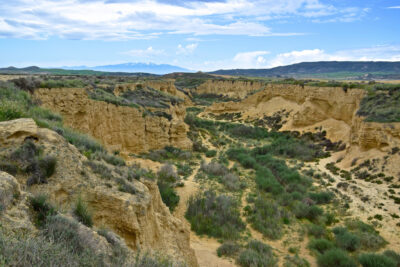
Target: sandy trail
{"points": [[205, 248]]}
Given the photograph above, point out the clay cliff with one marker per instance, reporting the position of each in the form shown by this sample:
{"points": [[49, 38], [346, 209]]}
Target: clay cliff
{"points": [[234, 89], [140, 217], [309, 108], [166, 86], [122, 128]]}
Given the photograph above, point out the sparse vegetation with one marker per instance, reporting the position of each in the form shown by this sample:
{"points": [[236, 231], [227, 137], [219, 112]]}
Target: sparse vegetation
{"points": [[167, 179], [43, 209], [256, 254], [320, 245], [381, 105], [228, 249], [216, 216], [335, 257], [82, 213], [376, 260]]}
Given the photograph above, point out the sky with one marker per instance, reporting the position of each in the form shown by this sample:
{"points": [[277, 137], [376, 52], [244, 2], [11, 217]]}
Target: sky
{"points": [[197, 34]]}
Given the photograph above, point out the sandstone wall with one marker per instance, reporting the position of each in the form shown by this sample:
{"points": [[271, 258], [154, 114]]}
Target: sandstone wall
{"points": [[141, 218], [330, 107], [166, 86], [117, 127], [235, 89]]}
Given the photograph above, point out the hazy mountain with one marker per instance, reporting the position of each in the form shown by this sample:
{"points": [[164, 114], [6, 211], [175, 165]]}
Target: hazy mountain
{"points": [[136, 67]]}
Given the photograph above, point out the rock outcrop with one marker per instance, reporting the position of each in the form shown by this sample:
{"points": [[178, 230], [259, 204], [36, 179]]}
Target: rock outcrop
{"points": [[140, 218], [331, 108], [234, 89], [120, 128], [166, 86]]}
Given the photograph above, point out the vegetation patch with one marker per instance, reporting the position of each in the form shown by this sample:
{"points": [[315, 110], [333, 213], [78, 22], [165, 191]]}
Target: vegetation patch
{"points": [[167, 180], [82, 213], [257, 254], [215, 216], [381, 105]]}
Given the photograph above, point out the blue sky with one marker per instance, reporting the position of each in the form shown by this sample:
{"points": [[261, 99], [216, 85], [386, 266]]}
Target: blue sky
{"points": [[199, 35]]}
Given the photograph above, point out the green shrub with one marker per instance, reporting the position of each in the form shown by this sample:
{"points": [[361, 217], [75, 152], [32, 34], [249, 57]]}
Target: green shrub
{"points": [[167, 174], [214, 169], [125, 186], [320, 245], [10, 110], [228, 249], [154, 260], [18, 250], [42, 208], [63, 230], [322, 197], [184, 170], [168, 195], [211, 153], [346, 240], [267, 217], [295, 261], [231, 181], [317, 231], [82, 213], [369, 237], [266, 181], [257, 254], [381, 106], [8, 167], [109, 158], [216, 216], [376, 260], [82, 141], [48, 165], [312, 212], [393, 255], [100, 168], [335, 258]]}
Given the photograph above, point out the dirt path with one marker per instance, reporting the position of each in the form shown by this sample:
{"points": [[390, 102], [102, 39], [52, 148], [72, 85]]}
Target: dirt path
{"points": [[205, 248]]}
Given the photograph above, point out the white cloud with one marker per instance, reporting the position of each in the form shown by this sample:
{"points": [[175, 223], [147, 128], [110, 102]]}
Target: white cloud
{"points": [[145, 19], [262, 59], [376, 53], [186, 50], [254, 59], [144, 53]]}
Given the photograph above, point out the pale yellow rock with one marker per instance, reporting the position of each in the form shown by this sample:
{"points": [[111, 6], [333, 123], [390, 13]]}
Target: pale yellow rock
{"points": [[141, 219], [234, 89], [166, 86], [118, 127], [9, 190], [311, 107], [15, 132]]}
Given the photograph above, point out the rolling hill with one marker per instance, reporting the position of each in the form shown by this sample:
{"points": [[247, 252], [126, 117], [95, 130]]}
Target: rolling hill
{"points": [[324, 69]]}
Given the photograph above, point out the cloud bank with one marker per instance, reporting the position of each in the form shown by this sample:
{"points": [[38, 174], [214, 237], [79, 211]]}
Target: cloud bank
{"points": [[147, 19]]}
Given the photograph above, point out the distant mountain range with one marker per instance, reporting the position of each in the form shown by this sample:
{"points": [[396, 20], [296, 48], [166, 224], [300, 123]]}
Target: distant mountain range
{"points": [[134, 67], [323, 69]]}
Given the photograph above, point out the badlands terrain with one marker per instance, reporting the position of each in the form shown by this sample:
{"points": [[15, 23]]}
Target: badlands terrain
{"points": [[198, 170]]}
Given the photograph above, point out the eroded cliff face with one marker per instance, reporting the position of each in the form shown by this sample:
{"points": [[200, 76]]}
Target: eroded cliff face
{"points": [[234, 89], [331, 108], [166, 86], [120, 128], [140, 218]]}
